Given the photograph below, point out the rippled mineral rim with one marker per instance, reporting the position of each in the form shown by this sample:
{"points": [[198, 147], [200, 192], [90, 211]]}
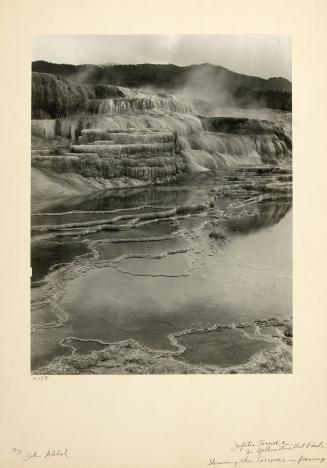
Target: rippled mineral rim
{"points": [[276, 360]]}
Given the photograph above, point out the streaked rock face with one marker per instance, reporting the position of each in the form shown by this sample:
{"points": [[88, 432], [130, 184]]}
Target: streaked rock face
{"points": [[154, 139]]}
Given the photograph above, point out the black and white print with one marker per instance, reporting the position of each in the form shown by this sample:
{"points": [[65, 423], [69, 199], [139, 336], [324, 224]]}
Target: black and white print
{"points": [[161, 210]]}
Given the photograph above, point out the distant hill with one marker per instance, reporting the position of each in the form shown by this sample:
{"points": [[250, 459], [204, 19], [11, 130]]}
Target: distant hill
{"points": [[278, 84], [211, 83]]}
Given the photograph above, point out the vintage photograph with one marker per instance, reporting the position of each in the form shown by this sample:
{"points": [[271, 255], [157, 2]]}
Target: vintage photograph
{"points": [[161, 204]]}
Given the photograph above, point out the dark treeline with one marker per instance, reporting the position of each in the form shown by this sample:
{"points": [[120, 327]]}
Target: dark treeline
{"points": [[273, 99], [166, 76]]}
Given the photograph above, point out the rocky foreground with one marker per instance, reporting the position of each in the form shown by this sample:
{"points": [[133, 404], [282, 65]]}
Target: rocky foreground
{"points": [[130, 357]]}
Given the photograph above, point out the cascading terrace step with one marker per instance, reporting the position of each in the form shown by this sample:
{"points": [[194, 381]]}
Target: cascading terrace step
{"points": [[41, 151], [125, 136], [130, 149]]}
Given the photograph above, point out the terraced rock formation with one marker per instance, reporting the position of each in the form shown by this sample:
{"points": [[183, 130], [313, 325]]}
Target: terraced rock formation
{"points": [[101, 136]]}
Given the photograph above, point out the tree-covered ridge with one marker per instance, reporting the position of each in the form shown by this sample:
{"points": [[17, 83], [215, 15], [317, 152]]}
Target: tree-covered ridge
{"points": [[166, 75]]}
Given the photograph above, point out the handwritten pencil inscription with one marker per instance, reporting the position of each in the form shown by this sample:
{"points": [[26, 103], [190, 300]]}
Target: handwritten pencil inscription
{"points": [[28, 455], [305, 453]]}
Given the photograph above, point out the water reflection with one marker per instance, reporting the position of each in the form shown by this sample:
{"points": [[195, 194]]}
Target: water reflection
{"points": [[270, 213], [47, 254], [123, 198]]}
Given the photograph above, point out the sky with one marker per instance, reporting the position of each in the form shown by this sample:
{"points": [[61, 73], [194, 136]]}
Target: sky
{"points": [[260, 55]]}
